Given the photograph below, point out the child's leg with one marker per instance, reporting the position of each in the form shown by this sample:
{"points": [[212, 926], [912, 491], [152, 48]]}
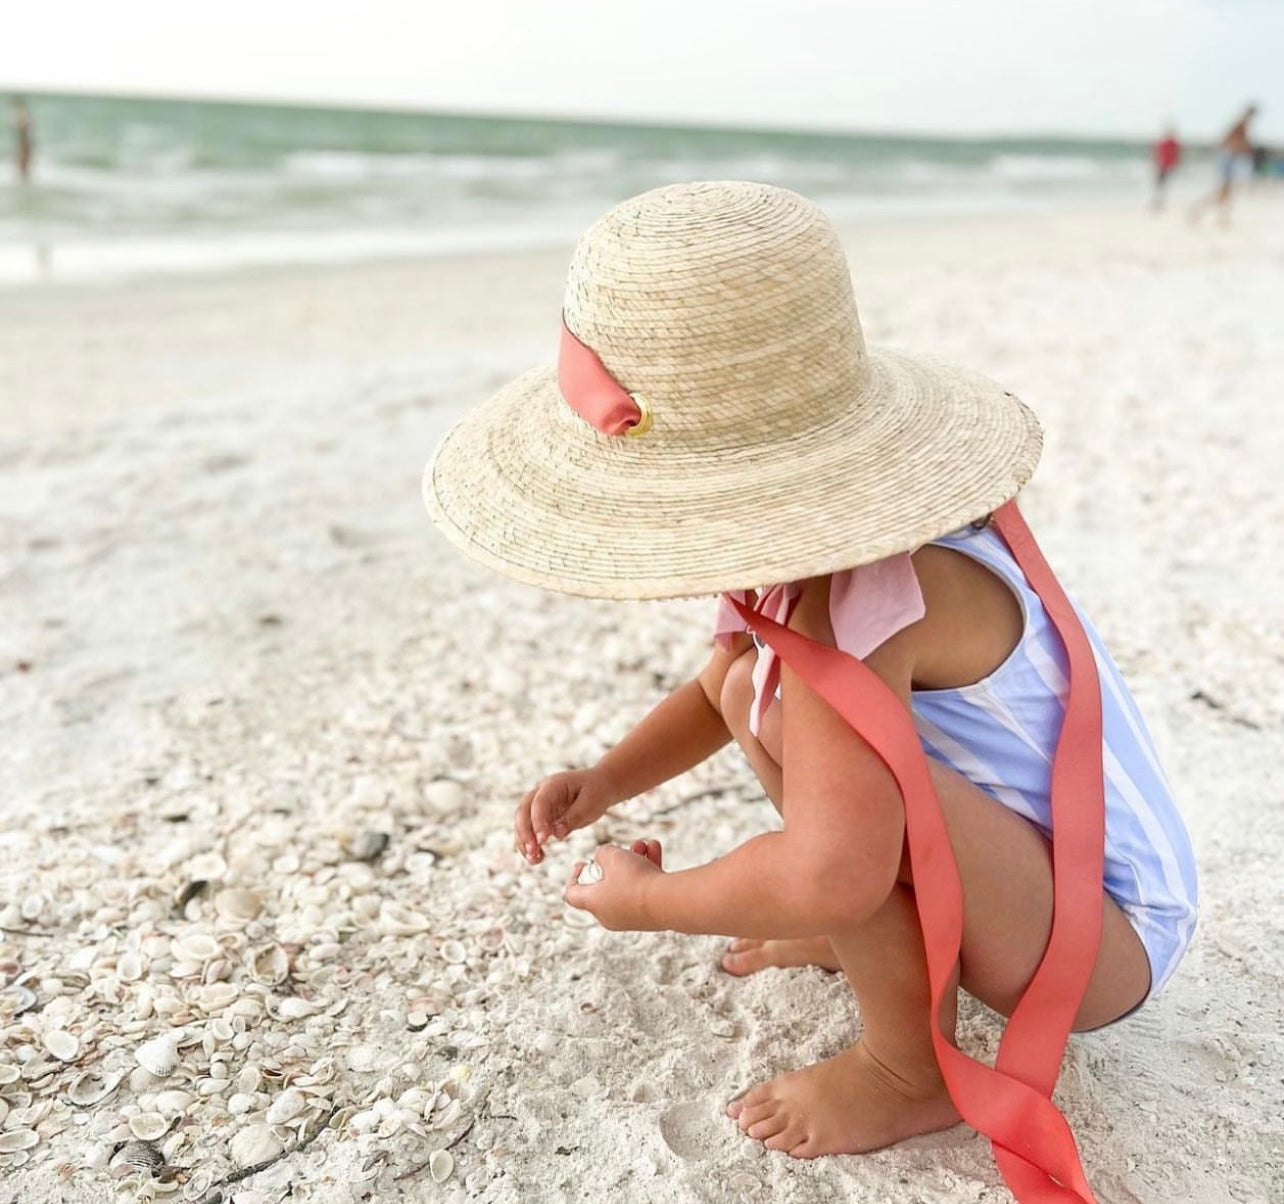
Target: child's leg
{"points": [[748, 956], [888, 1086]]}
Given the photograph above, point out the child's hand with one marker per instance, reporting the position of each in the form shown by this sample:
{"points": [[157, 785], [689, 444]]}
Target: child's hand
{"points": [[557, 806], [617, 898]]}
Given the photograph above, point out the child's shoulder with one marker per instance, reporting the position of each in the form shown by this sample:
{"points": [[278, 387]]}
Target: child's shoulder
{"points": [[972, 618]]}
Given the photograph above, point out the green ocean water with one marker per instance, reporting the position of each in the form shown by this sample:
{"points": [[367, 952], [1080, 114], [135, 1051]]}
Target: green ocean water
{"points": [[132, 178]]}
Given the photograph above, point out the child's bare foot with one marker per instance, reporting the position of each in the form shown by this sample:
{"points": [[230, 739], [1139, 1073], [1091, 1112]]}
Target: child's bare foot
{"points": [[849, 1104], [748, 957]]}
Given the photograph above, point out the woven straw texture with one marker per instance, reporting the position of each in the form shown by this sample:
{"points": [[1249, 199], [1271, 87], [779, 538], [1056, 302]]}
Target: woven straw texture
{"points": [[780, 447]]}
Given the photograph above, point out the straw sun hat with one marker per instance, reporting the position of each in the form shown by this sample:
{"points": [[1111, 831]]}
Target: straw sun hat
{"points": [[753, 438]]}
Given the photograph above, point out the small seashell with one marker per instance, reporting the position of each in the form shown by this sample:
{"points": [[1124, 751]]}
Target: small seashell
{"points": [[443, 796], [148, 1126], [216, 996], [292, 1007], [454, 953], [417, 1021], [196, 947], [341, 1119], [92, 1087], [590, 872], [13, 1140], [237, 903], [141, 1079], [396, 920], [249, 1007], [32, 906], [209, 866], [38, 1071], [198, 1184], [19, 999], [63, 1045], [320, 1073], [217, 970], [269, 965], [440, 1165], [286, 1107], [239, 1103], [254, 1144], [129, 967], [159, 1056], [142, 1155], [172, 1103], [368, 846]]}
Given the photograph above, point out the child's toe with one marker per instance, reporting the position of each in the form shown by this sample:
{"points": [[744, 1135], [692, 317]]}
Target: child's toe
{"points": [[769, 1127], [789, 1136], [754, 1114]]}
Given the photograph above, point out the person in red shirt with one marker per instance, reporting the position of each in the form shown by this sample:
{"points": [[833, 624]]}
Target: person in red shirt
{"points": [[1167, 154]]}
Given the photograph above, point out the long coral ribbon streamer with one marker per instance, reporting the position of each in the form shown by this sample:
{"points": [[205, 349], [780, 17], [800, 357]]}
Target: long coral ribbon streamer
{"points": [[1010, 1103]]}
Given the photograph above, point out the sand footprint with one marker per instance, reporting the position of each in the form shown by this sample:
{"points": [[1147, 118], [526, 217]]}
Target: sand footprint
{"points": [[693, 1130]]}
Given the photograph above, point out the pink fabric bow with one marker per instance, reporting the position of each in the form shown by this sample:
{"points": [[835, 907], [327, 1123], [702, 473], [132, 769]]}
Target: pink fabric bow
{"points": [[867, 606], [591, 391]]}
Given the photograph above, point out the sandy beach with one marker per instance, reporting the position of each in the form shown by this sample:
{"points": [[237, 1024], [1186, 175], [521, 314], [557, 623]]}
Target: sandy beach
{"points": [[264, 732]]}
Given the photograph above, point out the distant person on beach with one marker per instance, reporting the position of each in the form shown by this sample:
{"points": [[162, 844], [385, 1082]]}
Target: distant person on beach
{"points": [[1234, 160], [897, 663], [23, 141], [1167, 156]]}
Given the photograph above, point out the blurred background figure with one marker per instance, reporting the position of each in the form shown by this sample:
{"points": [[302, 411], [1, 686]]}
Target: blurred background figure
{"points": [[1234, 160], [1167, 155], [20, 119]]}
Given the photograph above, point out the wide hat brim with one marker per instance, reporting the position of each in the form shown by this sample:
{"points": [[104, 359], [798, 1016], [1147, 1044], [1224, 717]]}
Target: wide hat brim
{"points": [[526, 487]]}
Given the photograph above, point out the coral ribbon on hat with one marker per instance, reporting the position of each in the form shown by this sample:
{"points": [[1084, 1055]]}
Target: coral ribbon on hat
{"points": [[1010, 1102], [591, 391]]}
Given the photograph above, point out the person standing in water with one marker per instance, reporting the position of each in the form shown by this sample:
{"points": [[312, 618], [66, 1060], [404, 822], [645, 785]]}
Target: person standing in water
{"points": [[1167, 155], [1234, 159], [23, 146]]}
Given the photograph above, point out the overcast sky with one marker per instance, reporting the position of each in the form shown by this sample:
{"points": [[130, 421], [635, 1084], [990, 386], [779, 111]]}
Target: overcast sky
{"points": [[960, 66]]}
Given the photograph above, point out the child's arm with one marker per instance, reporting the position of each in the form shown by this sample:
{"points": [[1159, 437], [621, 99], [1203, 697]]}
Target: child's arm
{"points": [[682, 731], [837, 857]]}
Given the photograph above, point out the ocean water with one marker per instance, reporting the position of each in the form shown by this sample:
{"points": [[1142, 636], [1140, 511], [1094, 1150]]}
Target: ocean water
{"points": [[130, 185]]}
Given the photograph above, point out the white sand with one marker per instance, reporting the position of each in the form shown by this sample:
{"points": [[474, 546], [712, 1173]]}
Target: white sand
{"points": [[215, 568]]}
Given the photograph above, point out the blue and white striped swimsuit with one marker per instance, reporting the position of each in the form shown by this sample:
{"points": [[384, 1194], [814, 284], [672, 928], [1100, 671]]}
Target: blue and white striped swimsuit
{"points": [[1000, 734]]}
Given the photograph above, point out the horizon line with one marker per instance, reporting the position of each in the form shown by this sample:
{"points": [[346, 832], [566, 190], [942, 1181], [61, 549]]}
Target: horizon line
{"points": [[634, 121]]}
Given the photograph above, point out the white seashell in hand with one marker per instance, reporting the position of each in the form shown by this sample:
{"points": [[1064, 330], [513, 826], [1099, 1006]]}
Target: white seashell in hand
{"points": [[590, 872]]}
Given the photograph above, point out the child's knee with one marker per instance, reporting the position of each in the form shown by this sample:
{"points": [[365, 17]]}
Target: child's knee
{"points": [[737, 694]]}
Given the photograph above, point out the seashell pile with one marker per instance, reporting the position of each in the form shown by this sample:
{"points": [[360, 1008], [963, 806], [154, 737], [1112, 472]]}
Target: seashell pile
{"points": [[225, 948], [249, 1006]]}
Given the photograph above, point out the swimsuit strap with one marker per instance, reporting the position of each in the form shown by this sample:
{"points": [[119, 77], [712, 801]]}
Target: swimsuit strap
{"points": [[1010, 1102]]}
